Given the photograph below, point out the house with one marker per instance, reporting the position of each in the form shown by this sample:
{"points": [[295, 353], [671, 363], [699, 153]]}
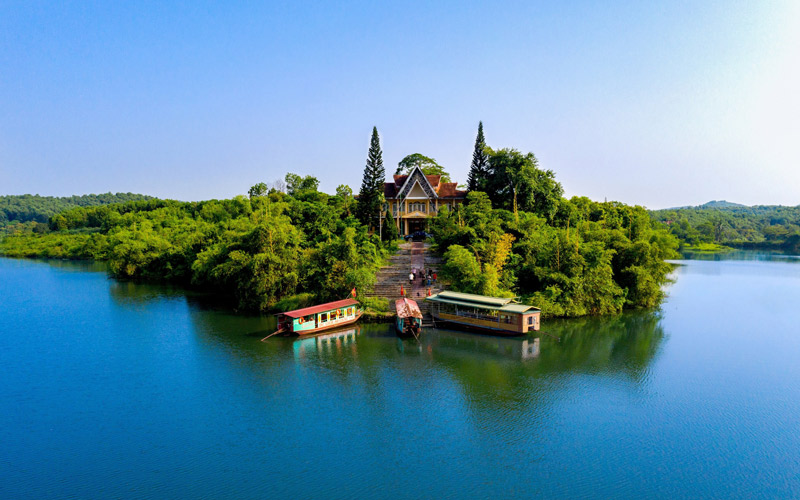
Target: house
{"points": [[414, 197]]}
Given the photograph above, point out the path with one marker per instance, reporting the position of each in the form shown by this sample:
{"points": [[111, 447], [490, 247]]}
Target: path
{"points": [[391, 277]]}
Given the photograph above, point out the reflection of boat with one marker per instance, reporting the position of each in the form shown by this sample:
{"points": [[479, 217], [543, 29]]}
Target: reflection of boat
{"points": [[326, 342], [319, 318], [520, 348], [409, 318], [495, 315]]}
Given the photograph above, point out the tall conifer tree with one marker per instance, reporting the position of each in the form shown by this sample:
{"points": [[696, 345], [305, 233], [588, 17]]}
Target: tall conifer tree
{"points": [[369, 198], [480, 163]]}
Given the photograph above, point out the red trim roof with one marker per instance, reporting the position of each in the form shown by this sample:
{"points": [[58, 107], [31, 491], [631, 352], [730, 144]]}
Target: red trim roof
{"points": [[449, 190], [307, 311]]}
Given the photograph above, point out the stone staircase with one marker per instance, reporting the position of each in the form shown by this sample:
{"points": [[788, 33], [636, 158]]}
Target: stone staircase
{"points": [[395, 274]]}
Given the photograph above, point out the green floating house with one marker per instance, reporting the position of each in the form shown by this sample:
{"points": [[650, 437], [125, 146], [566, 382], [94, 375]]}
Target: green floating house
{"points": [[495, 315]]}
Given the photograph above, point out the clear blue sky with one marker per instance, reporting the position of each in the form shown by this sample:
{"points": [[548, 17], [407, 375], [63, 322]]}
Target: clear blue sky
{"points": [[654, 104]]}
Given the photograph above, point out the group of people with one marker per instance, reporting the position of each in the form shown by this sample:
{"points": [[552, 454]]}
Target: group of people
{"points": [[428, 276]]}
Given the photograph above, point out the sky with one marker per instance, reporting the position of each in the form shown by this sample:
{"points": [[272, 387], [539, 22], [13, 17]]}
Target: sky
{"points": [[658, 104]]}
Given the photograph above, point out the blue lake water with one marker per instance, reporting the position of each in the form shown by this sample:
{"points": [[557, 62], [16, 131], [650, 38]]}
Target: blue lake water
{"points": [[124, 390]]}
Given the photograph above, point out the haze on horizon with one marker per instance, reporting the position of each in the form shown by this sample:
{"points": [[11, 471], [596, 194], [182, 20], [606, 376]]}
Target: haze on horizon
{"points": [[657, 105]]}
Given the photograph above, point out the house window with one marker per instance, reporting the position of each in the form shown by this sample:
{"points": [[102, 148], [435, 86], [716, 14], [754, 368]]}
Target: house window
{"points": [[530, 320], [418, 206]]}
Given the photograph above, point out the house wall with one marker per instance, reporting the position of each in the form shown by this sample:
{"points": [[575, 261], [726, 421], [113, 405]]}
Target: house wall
{"points": [[535, 326], [511, 327]]}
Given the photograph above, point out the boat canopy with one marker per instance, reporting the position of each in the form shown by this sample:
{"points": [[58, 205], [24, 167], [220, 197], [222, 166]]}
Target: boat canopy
{"points": [[501, 304], [407, 308], [307, 311]]}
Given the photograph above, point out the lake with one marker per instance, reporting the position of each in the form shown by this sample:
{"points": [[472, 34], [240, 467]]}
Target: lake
{"points": [[123, 390]]}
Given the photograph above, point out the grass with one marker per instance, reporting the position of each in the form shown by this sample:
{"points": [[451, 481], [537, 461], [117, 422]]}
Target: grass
{"points": [[706, 248]]}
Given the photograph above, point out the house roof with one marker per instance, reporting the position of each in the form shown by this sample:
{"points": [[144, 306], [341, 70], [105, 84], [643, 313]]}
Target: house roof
{"points": [[442, 189], [501, 304], [449, 190], [434, 180], [407, 308], [307, 311], [416, 171]]}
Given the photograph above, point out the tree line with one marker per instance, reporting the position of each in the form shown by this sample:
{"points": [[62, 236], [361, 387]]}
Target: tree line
{"points": [[517, 235], [289, 244], [762, 226], [32, 212], [296, 247]]}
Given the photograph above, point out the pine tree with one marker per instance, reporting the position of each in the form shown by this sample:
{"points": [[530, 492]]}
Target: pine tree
{"points": [[369, 198], [480, 163], [390, 232]]}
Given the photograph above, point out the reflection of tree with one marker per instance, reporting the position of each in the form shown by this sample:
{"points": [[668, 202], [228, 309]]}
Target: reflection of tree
{"points": [[612, 346], [130, 292], [79, 266], [621, 344]]}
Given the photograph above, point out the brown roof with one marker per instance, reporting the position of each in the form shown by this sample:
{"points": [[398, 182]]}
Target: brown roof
{"points": [[399, 180], [307, 311], [448, 190], [443, 189], [407, 308], [433, 180]]}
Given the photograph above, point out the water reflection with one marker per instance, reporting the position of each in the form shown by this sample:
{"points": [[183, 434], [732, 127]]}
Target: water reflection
{"points": [[617, 345], [326, 343], [515, 348], [626, 343], [131, 292], [745, 255]]}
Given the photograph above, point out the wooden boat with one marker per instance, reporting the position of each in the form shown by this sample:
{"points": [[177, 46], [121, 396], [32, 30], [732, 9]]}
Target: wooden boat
{"points": [[409, 318], [319, 318], [494, 315]]}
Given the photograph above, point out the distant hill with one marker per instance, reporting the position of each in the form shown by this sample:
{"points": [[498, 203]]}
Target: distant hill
{"points": [[759, 226], [720, 204], [16, 210], [710, 204]]}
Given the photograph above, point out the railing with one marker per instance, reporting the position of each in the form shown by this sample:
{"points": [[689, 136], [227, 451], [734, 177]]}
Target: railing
{"points": [[485, 317]]}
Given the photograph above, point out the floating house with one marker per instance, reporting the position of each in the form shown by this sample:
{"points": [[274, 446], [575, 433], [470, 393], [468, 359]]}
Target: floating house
{"points": [[319, 318], [495, 315]]}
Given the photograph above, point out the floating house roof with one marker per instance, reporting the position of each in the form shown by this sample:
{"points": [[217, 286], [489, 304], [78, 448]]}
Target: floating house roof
{"points": [[502, 304], [330, 306], [407, 308]]}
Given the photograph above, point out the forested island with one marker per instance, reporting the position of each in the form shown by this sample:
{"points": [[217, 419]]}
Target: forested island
{"points": [[288, 244], [719, 224]]}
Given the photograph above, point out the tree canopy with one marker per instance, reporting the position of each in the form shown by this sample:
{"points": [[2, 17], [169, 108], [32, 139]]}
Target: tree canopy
{"points": [[428, 166]]}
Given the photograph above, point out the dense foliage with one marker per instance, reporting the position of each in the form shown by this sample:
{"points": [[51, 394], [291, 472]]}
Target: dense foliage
{"points": [[259, 250], [570, 257], [729, 224], [31, 212]]}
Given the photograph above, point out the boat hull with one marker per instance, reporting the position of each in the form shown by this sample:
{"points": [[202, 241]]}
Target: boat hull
{"points": [[329, 327], [404, 330], [459, 325]]}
